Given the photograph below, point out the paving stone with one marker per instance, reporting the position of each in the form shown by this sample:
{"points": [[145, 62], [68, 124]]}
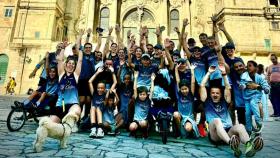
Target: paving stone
{"points": [[133, 151], [10, 152], [160, 155], [87, 152], [196, 152], [115, 155], [43, 153], [62, 153]]}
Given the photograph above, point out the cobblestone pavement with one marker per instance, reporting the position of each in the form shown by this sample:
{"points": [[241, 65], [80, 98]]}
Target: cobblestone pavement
{"points": [[19, 144]]}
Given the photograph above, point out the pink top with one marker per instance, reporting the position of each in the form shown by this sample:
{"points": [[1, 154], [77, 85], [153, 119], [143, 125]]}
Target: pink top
{"points": [[273, 73]]}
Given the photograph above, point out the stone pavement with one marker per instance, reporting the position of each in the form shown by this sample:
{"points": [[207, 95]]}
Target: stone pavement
{"points": [[19, 144]]}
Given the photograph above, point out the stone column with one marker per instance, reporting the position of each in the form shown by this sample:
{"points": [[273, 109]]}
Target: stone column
{"points": [[113, 13], [89, 8]]}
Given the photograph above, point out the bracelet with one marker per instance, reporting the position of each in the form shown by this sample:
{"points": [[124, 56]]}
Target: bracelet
{"points": [[38, 66]]}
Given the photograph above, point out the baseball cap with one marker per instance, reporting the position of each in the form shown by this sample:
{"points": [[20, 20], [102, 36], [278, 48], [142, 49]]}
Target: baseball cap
{"points": [[158, 46], [146, 56], [230, 45]]}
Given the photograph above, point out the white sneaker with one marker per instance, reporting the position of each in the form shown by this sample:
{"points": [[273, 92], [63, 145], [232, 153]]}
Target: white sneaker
{"points": [[93, 132], [99, 133], [75, 128]]}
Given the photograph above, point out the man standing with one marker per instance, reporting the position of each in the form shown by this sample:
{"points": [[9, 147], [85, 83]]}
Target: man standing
{"points": [[273, 77]]}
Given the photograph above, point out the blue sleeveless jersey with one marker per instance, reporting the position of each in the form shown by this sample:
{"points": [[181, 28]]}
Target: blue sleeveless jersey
{"points": [[67, 90]]}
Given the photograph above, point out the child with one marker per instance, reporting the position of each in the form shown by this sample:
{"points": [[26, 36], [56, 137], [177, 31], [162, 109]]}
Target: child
{"points": [[97, 105], [45, 95], [142, 106], [125, 90], [109, 112], [252, 85], [145, 69], [184, 116]]}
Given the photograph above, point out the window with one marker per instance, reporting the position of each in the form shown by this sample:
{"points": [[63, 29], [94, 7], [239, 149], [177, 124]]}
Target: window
{"points": [[275, 25], [174, 19], [8, 12], [104, 18], [274, 2], [4, 60], [267, 44], [37, 34]]}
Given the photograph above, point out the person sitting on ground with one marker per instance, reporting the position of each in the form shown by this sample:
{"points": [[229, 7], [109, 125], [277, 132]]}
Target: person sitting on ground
{"points": [[217, 115]]}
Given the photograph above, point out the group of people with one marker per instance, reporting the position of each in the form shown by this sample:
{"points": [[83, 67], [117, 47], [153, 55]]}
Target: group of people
{"points": [[125, 85]]}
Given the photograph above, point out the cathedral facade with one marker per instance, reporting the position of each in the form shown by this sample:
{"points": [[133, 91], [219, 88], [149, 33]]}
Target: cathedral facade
{"points": [[29, 28]]}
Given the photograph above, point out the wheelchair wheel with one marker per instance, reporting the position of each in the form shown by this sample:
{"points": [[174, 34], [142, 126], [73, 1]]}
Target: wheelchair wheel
{"points": [[164, 131], [16, 119]]}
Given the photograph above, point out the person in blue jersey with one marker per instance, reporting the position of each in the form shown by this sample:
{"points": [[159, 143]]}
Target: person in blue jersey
{"points": [[252, 84], [98, 101], [145, 69], [238, 69], [141, 106], [111, 125], [184, 117], [46, 95], [68, 76], [136, 58], [88, 69], [52, 62], [221, 129], [195, 58], [125, 91]]}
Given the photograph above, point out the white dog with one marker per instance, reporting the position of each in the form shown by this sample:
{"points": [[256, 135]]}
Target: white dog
{"points": [[60, 131]]}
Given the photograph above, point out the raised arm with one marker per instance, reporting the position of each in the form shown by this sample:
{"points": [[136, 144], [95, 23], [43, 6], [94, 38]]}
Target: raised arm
{"points": [[119, 38], [89, 30], [60, 64], [47, 63], [214, 19], [223, 29], [227, 92], [177, 77], [203, 91], [167, 54], [192, 67], [136, 73], [114, 78], [91, 88], [153, 76], [159, 35], [129, 60], [185, 46], [79, 64], [106, 48], [37, 67], [221, 59], [79, 38], [99, 42]]}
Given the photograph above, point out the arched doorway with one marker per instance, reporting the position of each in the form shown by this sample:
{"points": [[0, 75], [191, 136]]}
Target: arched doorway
{"points": [[136, 17], [4, 60]]}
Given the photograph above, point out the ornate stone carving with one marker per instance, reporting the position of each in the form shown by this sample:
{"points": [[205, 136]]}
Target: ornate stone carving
{"points": [[106, 3], [176, 3]]}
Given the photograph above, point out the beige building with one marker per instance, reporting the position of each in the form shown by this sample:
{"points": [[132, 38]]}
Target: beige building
{"points": [[29, 28]]}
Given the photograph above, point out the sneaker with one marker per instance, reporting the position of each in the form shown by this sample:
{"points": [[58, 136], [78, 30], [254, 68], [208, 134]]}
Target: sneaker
{"points": [[93, 133], [156, 127], [100, 133], [234, 145], [257, 143], [75, 128], [259, 128], [250, 151], [201, 130]]}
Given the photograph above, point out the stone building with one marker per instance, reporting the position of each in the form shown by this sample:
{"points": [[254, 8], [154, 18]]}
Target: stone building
{"points": [[29, 28]]}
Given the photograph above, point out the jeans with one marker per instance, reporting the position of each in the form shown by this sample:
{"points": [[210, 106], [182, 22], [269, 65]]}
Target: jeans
{"points": [[252, 108]]}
